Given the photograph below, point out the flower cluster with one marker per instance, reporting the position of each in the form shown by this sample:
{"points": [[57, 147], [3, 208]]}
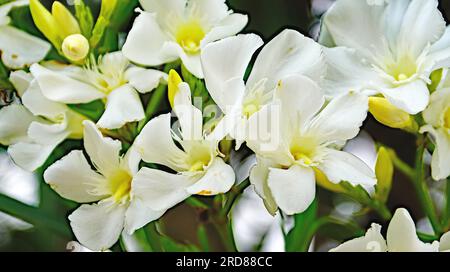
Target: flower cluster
{"points": [[163, 110]]}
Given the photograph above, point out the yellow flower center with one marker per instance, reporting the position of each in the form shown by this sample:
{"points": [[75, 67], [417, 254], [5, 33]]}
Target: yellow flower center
{"points": [[120, 184], [303, 150], [250, 108], [402, 69], [199, 156], [189, 36]]}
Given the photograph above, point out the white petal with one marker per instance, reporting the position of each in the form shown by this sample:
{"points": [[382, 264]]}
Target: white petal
{"points": [[219, 177], [30, 156], [145, 41], [269, 134], [58, 87], [156, 145], [258, 178], [103, 151], [372, 241], [159, 190], [21, 81], [229, 26], [289, 53], [402, 237], [20, 49], [443, 42], [301, 98], [356, 24], [72, 178], [164, 7], [341, 119], [98, 226], [439, 100], [14, 123], [213, 11], [48, 134], [346, 72], [138, 215], [444, 244], [423, 25], [218, 67], [393, 21], [131, 160], [123, 106], [190, 117], [342, 166], [440, 162], [38, 104], [229, 124], [293, 189], [192, 62], [412, 98], [145, 80]]}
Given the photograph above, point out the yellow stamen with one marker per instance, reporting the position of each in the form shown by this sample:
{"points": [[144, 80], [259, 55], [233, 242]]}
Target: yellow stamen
{"points": [[204, 193]]}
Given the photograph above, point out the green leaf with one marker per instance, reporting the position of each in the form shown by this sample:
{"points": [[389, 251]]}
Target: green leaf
{"points": [[203, 238], [98, 31], [93, 110], [32, 215], [339, 230], [299, 238], [85, 18]]}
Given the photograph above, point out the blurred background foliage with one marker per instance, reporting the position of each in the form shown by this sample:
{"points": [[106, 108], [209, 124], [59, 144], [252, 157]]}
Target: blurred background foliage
{"points": [[267, 18]]}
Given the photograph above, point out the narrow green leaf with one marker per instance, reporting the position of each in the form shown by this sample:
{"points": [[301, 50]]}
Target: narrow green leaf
{"points": [[85, 18], [32, 215], [203, 238], [299, 238]]}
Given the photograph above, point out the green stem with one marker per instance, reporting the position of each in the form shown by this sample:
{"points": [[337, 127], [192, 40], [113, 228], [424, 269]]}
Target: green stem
{"points": [[223, 228], [153, 237], [157, 97], [446, 219], [233, 195], [32, 215], [422, 189], [403, 167], [382, 210]]}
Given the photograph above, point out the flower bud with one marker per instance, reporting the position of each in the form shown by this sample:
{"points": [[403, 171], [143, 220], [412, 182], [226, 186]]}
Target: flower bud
{"points": [[388, 114], [173, 82], [75, 47]]}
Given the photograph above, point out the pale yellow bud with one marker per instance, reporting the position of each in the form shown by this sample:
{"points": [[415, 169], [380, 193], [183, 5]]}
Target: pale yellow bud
{"points": [[173, 82], [388, 114], [75, 47]]}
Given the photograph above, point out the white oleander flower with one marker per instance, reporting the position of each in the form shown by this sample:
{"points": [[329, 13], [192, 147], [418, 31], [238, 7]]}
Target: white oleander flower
{"points": [[19, 49], [189, 152], [289, 53], [401, 237], [437, 117], [385, 47], [297, 136], [98, 226], [111, 78], [34, 129], [179, 29]]}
